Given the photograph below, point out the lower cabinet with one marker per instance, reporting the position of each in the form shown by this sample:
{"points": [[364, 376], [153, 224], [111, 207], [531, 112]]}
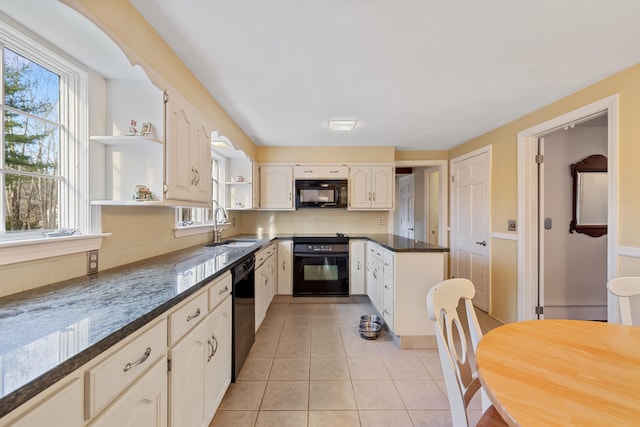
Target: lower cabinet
{"points": [[357, 267], [201, 369], [142, 405], [285, 267], [266, 280], [375, 275], [60, 407]]}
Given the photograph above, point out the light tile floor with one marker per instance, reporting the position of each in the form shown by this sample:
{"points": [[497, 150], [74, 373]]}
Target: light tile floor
{"points": [[310, 367]]}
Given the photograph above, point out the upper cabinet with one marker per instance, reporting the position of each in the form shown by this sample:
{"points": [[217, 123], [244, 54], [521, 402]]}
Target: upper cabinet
{"points": [[276, 187], [172, 161], [371, 187], [187, 151]]}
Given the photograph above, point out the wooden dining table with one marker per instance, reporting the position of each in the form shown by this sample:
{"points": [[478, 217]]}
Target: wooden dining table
{"points": [[562, 373]]}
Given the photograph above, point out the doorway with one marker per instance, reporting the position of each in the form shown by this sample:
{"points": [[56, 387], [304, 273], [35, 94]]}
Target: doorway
{"points": [[429, 200], [530, 220], [573, 264]]}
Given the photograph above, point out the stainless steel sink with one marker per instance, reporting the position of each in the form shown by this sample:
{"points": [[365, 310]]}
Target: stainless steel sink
{"points": [[234, 243]]}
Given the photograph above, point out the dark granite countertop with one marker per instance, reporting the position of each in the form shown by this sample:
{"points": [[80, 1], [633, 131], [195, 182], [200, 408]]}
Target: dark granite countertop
{"points": [[47, 333], [397, 243]]}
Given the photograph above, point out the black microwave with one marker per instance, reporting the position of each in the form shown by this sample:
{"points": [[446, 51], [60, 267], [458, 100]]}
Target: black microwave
{"points": [[311, 193]]}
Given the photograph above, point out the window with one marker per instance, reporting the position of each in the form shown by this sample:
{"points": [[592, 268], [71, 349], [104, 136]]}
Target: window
{"points": [[200, 216], [42, 168]]}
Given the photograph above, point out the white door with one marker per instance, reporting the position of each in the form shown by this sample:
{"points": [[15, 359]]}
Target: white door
{"points": [[470, 222], [407, 201]]}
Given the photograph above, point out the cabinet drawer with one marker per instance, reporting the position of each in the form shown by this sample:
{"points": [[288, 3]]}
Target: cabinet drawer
{"points": [[387, 312], [187, 316], [108, 379], [219, 290], [389, 262], [375, 251]]}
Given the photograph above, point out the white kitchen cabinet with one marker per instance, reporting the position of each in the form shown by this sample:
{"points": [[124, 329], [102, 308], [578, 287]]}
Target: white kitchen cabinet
{"points": [[371, 187], [142, 405], [321, 172], [187, 152], [276, 187], [62, 405], [266, 282], [285, 267], [357, 267], [124, 365], [397, 284], [196, 383], [375, 275], [218, 364]]}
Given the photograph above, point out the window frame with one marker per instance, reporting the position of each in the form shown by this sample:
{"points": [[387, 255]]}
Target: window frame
{"points": [[75, 210]]}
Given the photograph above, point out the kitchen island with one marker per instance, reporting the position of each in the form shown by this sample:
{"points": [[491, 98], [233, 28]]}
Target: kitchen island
{"points": [[50, 332]]}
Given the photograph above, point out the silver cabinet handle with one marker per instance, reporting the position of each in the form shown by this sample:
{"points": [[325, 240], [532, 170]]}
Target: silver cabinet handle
{"points": [[374, 197], [283, 266], [369, 196], [215, 340], [386, 312], [386, 287], [222, 291], [197, 313], [142, 359], [375, 273], [358, 265], [212, 350], [483, 243]]}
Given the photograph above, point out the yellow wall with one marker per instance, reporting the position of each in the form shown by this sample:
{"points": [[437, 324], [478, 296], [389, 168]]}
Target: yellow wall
{"points": [[504, 174]]}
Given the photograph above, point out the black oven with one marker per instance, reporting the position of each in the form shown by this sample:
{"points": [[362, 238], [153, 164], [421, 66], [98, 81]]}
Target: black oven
{"points": [[320, 266]]}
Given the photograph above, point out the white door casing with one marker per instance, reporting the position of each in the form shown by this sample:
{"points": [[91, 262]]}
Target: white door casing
{"points": [[528, 244], [470, 222], [407, 207]]}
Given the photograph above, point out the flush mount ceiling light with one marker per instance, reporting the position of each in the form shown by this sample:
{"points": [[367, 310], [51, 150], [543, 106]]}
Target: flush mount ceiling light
{"points": [[342, 125]]}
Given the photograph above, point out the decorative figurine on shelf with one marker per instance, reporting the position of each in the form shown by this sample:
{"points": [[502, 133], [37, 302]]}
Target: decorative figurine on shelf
{"points": [[146, 129], [132, 128], [142, 192]]}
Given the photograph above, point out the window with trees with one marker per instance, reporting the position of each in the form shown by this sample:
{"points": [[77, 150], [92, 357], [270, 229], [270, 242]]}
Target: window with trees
{"points": [[41, 161]]}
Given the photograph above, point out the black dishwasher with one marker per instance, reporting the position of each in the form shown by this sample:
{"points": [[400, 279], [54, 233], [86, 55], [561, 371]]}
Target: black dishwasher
{"points": [[244, 313]]}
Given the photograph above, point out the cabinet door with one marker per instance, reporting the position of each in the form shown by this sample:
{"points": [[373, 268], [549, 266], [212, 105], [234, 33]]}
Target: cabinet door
{"points": [[382, 185], [272, 287], [356, 267], [260, 286], [142, 405], [285, 267], [218, 365], [187, 378], [360, 187], [62, 407], [276, 187], [187, 151]]}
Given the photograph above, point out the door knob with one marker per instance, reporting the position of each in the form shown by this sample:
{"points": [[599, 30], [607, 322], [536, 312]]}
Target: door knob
{"points": [[483, 243]]}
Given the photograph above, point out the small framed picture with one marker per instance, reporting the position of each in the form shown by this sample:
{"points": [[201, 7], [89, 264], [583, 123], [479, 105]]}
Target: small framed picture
{"points": [[146, 129]]}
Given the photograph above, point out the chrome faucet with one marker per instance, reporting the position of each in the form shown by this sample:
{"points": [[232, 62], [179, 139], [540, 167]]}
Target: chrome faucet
{"points": [[217, 229]]}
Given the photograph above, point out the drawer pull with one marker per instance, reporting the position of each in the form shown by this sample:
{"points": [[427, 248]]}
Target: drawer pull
{"points": [[197, 313], [386, 287], [144, 357], [210, 355], [222, 291]]}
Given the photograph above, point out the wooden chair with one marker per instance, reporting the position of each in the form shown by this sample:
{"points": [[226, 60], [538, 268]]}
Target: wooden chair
{"points": [[460, 378], [624, 288]]}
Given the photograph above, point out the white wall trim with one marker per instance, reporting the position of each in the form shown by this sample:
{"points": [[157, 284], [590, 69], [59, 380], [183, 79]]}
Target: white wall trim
{"points": [[12, 252], [527, 290], [628, 251], [504, 236]]}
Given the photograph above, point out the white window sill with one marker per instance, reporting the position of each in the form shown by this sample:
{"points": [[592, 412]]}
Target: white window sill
{"points": [[15, 251], [191, 230]]}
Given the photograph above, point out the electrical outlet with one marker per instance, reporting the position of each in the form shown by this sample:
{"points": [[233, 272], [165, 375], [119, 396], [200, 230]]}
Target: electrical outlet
{"points": [[92, 262], [382, 221]]}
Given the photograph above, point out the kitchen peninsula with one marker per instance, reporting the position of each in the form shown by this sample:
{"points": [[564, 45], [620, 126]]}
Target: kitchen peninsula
{"points": [[63, 330]]}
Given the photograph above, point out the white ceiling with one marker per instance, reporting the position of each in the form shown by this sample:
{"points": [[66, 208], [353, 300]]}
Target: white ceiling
{"points": [[416, 74]]}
